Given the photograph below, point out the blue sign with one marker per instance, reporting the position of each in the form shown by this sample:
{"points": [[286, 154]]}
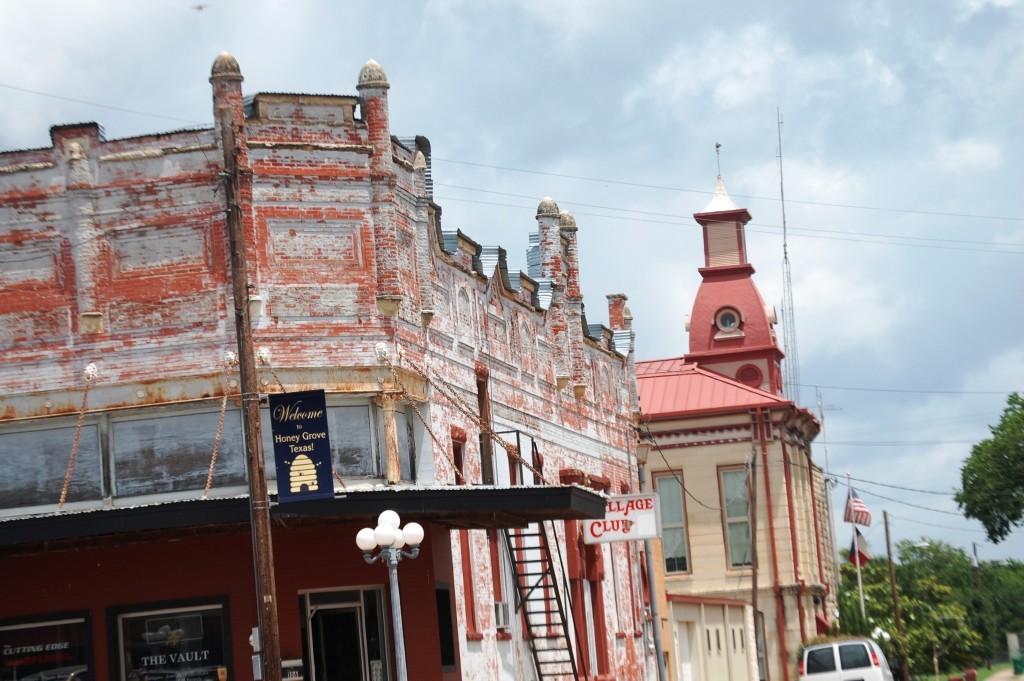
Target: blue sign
{"points": [[302, 446]]}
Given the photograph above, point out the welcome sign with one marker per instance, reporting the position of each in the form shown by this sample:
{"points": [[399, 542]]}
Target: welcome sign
{"points": [[302, 447]]}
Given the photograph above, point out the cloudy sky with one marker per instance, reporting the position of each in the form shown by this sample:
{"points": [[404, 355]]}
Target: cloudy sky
{"points": [[902, 144]]}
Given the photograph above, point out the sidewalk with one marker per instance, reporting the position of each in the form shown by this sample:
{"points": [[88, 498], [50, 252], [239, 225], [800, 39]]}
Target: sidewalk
{"points": [[1004, 675]]}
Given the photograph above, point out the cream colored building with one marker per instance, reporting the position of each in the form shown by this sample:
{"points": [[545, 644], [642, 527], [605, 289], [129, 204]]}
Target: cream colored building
{"points": [[731, 461]]}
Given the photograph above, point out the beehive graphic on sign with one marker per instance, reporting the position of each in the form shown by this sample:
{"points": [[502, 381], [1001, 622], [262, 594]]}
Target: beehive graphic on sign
{"points": [[302, 473]]}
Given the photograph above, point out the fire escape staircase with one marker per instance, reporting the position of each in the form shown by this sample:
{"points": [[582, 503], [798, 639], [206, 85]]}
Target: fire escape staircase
{"points": [[539, 599]]}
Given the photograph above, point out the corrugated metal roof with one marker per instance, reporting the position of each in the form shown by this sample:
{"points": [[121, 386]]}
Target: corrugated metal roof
{"points": [[671, 387]]}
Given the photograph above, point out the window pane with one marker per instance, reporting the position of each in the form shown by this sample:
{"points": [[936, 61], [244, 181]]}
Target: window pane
{"points": [[854, 656], [45, 650], [821, 660], [674, 543], [351, 446], [35, 463], [406, 456], [160, 646], [671, 500], [734, 489], [351, 449], [173, 453], [739, 543]]}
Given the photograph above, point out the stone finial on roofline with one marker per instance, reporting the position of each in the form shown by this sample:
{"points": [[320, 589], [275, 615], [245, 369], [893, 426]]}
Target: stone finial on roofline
{"points": [[547, 207], [225, 67], [372, 75]]}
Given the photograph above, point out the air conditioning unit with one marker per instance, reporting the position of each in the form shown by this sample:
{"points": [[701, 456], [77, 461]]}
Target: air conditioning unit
{"points": [[502, 615]]}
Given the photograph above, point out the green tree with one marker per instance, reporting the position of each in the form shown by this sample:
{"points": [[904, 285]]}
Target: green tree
{"points": [[940, 575], [1002, 589], [992, 475], [936, 587]]}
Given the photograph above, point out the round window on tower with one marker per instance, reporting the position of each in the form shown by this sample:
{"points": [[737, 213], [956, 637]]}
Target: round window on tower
{"points": [[727, 319], [749, 375]]}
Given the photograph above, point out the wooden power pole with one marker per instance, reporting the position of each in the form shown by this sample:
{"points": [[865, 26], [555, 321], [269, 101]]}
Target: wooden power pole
{"points": [[259, 500], [904, 668]]}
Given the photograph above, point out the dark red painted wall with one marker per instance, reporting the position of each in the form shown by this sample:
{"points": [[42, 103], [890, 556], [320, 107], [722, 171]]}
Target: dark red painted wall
{"points": [[218, 567]]}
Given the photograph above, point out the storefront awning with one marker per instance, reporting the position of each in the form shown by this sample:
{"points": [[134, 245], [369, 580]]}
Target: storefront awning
{"points": [[462, 507]]}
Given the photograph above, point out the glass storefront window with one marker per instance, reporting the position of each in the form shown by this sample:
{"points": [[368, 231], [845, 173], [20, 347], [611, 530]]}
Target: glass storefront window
{"points": [[174, 644], [51, 650]]}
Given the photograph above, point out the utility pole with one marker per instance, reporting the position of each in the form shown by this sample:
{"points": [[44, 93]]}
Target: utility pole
{"points": [[904, 668], [752, 496], [259, 501]]}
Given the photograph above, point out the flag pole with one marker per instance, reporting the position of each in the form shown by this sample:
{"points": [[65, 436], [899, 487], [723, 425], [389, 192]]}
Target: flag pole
{"points": [[860, 583], [855, 550]]}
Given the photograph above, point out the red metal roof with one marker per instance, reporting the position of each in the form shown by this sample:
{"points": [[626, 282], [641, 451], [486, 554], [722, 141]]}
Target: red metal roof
{"points": [[674, 387]]}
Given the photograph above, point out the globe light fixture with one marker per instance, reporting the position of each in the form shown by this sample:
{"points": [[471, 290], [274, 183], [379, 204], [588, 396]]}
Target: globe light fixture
{"points": [[392, 543]]}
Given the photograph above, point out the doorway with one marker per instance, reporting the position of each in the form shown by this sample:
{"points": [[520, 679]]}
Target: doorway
{"points": [[344, 635]]}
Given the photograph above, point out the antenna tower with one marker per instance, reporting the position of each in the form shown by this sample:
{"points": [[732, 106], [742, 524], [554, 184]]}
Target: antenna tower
{"points": [[791, 363]]}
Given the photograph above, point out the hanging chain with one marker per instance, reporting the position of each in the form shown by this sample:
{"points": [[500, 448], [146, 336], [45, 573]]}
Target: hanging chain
{"points": [[263, 355], [89, 374], [230, 361]]}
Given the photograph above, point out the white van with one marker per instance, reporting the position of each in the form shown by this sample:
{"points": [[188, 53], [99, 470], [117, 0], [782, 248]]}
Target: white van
{"points": [[858, 659]]}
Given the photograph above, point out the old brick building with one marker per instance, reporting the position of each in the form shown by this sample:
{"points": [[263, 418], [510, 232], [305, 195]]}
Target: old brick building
{"points": [[477, 402]]}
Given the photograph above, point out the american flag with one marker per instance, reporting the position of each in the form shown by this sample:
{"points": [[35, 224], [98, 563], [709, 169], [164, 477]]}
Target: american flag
{"points": [[856, 510]]}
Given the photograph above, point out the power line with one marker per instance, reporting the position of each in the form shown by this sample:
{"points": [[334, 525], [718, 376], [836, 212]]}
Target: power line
{"points": [[851, 238], [907, 503], [917, 443], [101, 106], [904, 489], [685, 220], [907, 390], [941, 527], [746, 196]]}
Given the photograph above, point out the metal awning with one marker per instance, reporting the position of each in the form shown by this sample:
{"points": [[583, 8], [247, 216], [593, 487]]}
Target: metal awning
{"points": [[463, 507]]}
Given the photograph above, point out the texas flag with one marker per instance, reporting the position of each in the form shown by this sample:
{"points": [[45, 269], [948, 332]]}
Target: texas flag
{"points": [[860, 553]]}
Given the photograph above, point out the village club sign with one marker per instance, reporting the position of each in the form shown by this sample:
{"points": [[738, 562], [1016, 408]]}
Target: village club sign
{"points": [[626, 518]]}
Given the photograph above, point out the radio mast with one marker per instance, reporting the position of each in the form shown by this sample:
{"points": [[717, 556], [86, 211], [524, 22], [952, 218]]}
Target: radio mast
{"points": [[791, 363]]}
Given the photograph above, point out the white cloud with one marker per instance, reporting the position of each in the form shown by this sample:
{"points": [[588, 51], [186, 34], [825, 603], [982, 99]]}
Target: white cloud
{"points": [[972, 7], [968, 155], [734, 70], [854, 312], [879, 77]]}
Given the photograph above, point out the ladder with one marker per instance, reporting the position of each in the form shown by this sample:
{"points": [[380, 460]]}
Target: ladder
{"points": [[539, 599]]}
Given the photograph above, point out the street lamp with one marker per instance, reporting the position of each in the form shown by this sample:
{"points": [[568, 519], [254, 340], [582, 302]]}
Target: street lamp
{"points": [[390, 539]]}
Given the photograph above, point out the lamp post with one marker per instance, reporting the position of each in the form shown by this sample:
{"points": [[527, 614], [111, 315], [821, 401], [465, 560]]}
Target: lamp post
{"points": [[391, 539]]}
